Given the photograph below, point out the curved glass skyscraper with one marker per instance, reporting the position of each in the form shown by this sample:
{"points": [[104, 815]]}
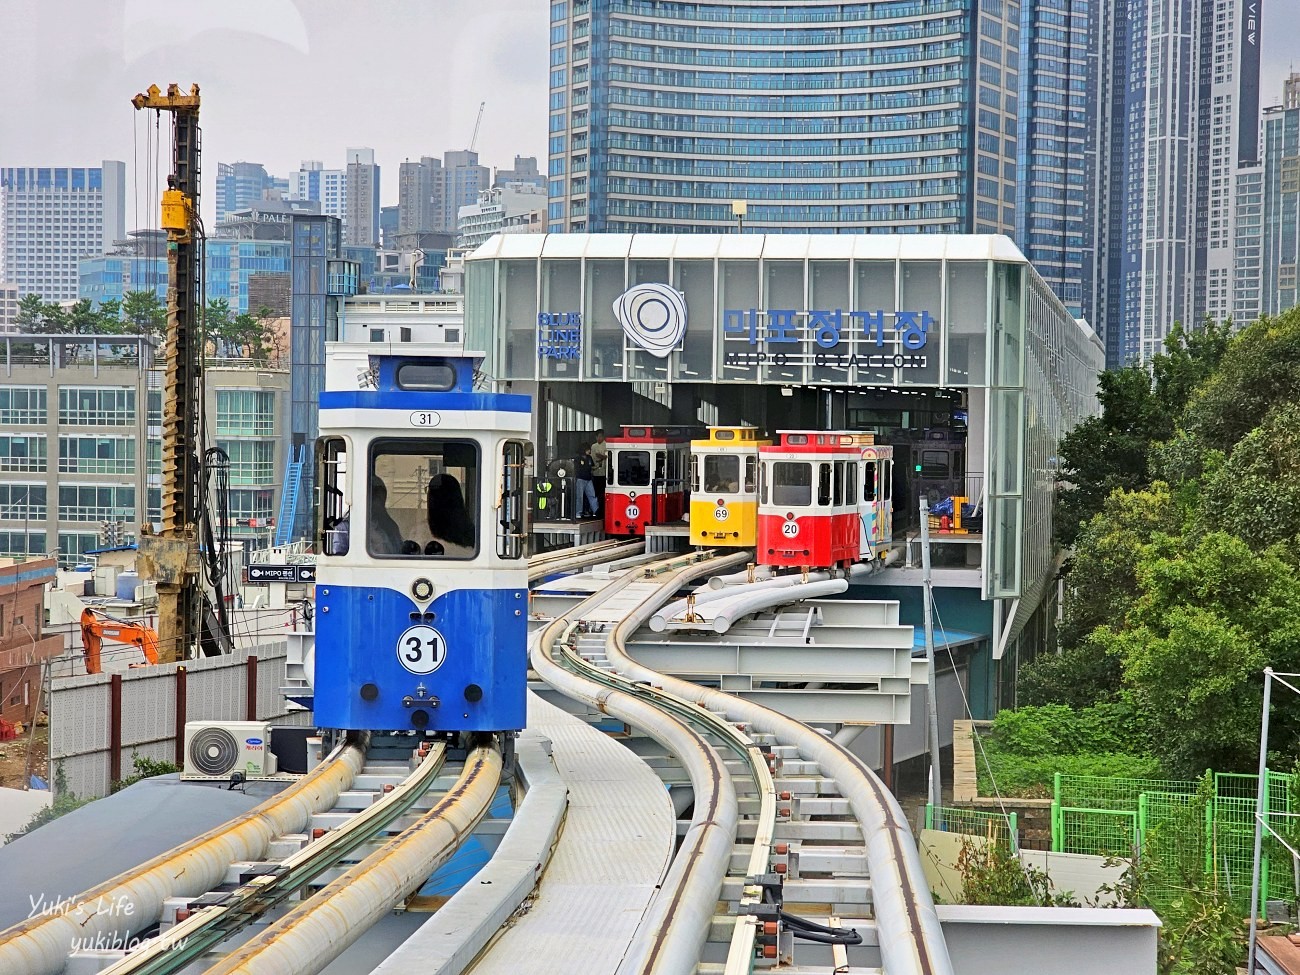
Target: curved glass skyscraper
{"points": [[893, 116]]}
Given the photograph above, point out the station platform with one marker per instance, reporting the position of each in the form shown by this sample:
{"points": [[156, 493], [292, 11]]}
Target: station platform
{"points": [[564, 534], [675, 537]]}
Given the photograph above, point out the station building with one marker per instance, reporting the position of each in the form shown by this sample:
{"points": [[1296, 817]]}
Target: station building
{"points": [[950, 347]]}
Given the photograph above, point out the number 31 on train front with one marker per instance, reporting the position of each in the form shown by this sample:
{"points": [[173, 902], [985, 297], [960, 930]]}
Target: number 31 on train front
{"points": [[421, 649]]}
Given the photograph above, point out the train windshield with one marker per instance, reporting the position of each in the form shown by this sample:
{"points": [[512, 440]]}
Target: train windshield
{"points": [[633, 468], [423, 499], [791, 483], [721, 474]]}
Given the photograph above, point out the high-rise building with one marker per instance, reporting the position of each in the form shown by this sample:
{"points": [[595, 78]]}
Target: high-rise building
{"points": [[1178, 115], [513, 208], [415, 195], [9, 298], [525, 171], [328, 187], [137, 263], [361, 223], [1248, 251], [859, 118], [52, 216], [461, 179], [432, 191], [1281, 193], [242, 185], [140, 264], [389, 221], [1057, 152]]}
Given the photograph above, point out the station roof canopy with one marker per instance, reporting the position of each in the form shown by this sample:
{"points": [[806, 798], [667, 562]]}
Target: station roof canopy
{"points": [[916, 247]]}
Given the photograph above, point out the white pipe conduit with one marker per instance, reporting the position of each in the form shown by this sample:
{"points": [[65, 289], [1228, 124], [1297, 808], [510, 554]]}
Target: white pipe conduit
{"points": [[747, 602], [911, 941], [41, 945], [320, 929]]}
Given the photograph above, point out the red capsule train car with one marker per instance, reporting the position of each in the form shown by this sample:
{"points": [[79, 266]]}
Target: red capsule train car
{"points": [[647, 483], [808, 500]]}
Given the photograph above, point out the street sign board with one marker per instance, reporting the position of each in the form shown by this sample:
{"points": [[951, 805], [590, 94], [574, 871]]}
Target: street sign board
{"points": [[260, 572]]}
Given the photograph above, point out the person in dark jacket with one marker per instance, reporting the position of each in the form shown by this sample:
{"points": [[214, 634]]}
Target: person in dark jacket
{"points": [[582, 465]]}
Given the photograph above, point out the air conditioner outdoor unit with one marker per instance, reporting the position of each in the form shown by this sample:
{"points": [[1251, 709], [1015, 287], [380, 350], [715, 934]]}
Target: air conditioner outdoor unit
{"points": [[216, 750]]}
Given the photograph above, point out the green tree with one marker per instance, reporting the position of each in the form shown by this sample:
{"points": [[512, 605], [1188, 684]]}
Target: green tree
{"points": [[1100, 587], [1112, 452], [144, 314], [1108, 453], [1210, 614], [31, 314], [1255, 493], [253, 336], [1258, 371]]}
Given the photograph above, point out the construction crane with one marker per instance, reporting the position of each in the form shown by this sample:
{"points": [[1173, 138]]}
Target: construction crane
{"points": [[186, 620], [96, 627], [474, 141]]}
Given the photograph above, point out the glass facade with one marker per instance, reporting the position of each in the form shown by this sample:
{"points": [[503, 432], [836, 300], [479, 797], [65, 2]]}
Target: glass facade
{"points": [[892, 313], [1058, 150], [895, 117], [1281, 209], [230, 263]]}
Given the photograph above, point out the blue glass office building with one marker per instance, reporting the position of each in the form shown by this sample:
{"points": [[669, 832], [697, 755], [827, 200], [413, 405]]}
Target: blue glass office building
{"points": [[1058, 159], [886, 117], [230, 264]]}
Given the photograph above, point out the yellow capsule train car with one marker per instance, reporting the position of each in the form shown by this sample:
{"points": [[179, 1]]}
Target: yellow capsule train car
{"points": [[724, 487]]}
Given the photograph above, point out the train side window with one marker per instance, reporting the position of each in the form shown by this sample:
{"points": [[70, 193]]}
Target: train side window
{"points": [[695, 474], [334, 504], [851, 481], [510, 515], [823, 484], [887, 479], [633, 468], [839, 482], [958, 464], [751, 469], [660, 465], [423, 499], [764, 475], [792, 483], [722, 474], [870, 485], [934, 463]]}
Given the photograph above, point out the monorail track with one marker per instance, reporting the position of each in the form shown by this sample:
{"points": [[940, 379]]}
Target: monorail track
{"points": [[791, 836]]}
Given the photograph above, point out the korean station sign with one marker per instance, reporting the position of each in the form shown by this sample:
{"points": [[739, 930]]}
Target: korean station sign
{"points": [[902, 345], [656, 320]]}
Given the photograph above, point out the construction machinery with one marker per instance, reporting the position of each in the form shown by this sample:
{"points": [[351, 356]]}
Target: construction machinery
{"points": [[189, 618], [97, 626]]}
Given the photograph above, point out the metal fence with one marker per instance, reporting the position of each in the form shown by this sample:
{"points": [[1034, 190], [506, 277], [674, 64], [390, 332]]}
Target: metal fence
{"points": [[98, 722], [1186, 830], [994, 827]]}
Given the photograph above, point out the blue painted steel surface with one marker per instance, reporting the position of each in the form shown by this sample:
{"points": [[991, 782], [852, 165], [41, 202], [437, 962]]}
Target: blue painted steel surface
{"points": [[357, 643], [409, 400]]}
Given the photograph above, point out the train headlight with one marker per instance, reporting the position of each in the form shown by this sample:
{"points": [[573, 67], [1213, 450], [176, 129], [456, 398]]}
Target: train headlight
{"points": [[422, 590]]}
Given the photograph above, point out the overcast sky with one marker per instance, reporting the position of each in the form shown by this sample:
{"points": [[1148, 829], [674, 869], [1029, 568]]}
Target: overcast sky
{"points": [[281, 80], [288, 80]]}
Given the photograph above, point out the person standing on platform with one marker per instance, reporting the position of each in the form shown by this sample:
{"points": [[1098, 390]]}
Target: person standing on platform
{"points": [[599, 470], [586, 503]]}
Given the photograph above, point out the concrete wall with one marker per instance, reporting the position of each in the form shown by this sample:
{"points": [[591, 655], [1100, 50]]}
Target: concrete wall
{"points": [[1050, 940]]}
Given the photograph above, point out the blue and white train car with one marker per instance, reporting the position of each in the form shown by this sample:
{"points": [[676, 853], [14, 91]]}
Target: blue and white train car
{"points": [[422, 579]]}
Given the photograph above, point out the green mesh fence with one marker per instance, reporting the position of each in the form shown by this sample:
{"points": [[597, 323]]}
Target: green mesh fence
{"points": [[1186, 831], [1101, 792], [992, 826]]}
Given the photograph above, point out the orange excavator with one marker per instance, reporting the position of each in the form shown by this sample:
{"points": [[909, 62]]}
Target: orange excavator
{"points": [[96, 627]]}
